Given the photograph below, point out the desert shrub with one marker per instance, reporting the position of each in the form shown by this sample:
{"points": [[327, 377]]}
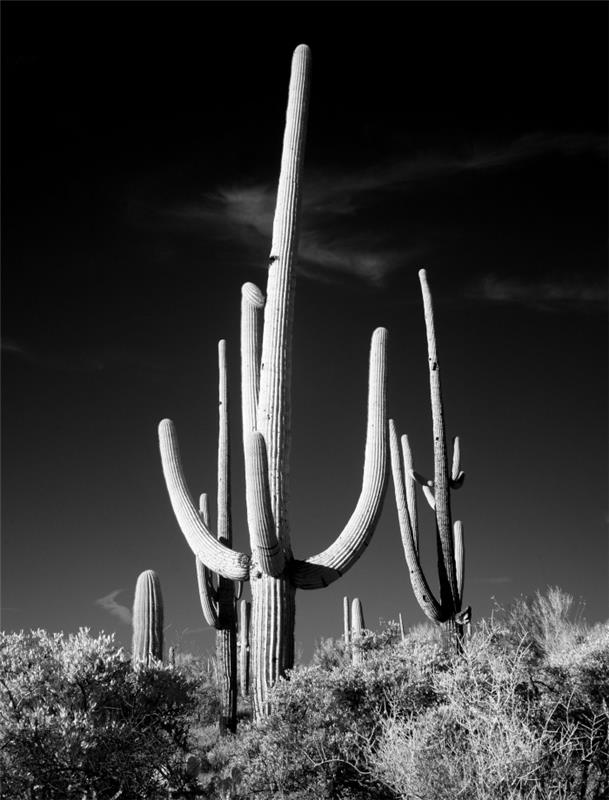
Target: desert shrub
{"points": [[77, 722], [326, 719], [507, 724]]}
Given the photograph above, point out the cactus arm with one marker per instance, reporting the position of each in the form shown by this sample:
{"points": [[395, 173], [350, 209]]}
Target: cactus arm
{"points": [[147, 619], [457, 476], [411, 494], [216, 556], [423, 593], [207, 593], [252, 304], [459, 558], [238, 589], [346, 622], [333, 562], [266, 551], [446, 562], [273, 417]]}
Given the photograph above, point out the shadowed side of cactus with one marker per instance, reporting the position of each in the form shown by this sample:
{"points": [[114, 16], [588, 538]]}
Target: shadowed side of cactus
{"points": [[147, 620], [447, 609], [273, 571]]}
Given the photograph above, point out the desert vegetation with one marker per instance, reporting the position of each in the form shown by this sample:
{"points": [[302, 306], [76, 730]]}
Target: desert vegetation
{"points": [[520, 712]]}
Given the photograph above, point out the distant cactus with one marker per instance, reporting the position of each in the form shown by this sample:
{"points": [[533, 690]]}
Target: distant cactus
{"points": [[402, 631], [147, 620], [357, 626], [437, 493], [273, 572], [346, 621], [171, 656]]}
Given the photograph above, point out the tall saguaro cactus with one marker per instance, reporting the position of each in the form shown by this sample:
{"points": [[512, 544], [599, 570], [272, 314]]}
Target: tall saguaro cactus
{"points": [[218, 596], [273, 571], [245, 608], [449, 538], [147, 620]]}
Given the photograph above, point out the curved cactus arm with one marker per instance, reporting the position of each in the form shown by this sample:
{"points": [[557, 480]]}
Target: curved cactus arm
{"points": [[421, 589], [207, 592], [421, 479], [238, 589], [459, 558], [273, 415], [252, 305], [430, 497], [333, 562], [266, 551], [457, 476], [448, 577], [216, 556], [411, 493]]}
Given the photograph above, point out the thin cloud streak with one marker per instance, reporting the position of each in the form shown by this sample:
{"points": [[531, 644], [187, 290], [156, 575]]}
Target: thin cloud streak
{"points": [[331, 201], [549, 295], [109, 604]]}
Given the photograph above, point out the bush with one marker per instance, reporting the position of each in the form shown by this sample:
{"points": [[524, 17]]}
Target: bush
{"points": [[77, 722]]}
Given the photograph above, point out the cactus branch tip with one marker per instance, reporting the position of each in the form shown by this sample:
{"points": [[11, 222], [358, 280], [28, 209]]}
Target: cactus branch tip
{"points": [[251, 293]]}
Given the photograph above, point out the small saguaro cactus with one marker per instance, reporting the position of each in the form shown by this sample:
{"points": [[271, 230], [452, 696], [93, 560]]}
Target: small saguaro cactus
{"points": [[216, 593], [147, 620], [357, 626], [245, 609], [446, 610], [401, 623], [272, 570]]}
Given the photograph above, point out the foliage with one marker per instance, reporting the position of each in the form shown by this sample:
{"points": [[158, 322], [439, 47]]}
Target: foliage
{"points": [[77, 722], [520, 713]]}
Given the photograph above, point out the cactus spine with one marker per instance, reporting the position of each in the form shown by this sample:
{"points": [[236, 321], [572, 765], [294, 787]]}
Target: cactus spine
{"points": [[447, 609], [218, 596], [273, 572], [147, 620]]}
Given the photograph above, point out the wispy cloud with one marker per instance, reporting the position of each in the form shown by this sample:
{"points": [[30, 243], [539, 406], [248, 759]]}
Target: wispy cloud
{"points": [[109, 604], [547, 295], [346, 228], [53, 361]]}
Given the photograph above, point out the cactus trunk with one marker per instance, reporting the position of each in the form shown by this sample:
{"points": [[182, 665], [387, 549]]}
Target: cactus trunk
{"points": [[271, 637], [147, 620]]}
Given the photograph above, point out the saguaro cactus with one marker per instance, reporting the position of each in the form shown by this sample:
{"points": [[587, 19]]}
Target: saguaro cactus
{"points": [[357, 626], [147, 620], [273, 571], [216, 593], [449, 538]]}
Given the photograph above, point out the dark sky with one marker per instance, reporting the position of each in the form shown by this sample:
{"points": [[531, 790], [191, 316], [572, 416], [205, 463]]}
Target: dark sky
{"points": [[141, 146]]}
